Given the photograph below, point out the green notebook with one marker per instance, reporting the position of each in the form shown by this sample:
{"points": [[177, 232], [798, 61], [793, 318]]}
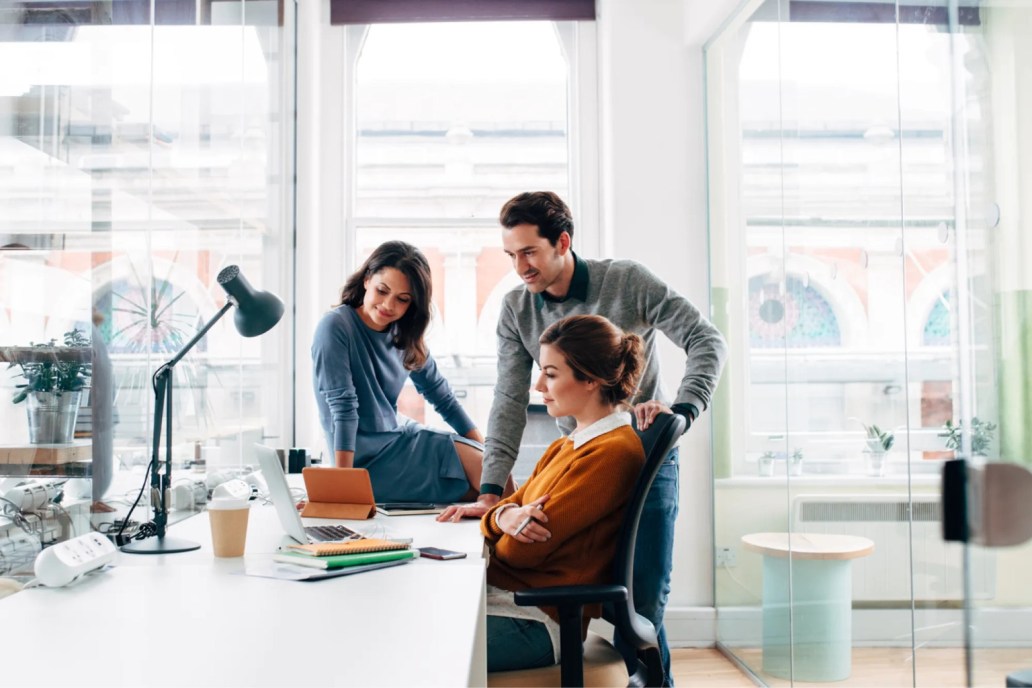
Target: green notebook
{"points": [[341, 560]]}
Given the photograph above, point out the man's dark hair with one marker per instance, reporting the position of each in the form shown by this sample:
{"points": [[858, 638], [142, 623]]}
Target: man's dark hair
{"points": [[541, 208]]}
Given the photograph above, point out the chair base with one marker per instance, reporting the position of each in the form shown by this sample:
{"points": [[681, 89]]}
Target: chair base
{"points": [[603, 666]]}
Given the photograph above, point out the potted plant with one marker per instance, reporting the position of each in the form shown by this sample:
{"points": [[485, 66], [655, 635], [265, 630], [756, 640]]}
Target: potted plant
{"points": [[795, 466], [765, 464], [878, 443], [54, 376], [981, 435]]}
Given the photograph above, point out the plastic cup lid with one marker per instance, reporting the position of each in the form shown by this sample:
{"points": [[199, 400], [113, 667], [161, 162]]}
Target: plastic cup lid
{"points": [[228, 503]]}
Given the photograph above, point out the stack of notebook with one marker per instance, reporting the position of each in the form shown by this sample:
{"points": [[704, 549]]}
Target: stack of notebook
{"points": [[335, 555]]}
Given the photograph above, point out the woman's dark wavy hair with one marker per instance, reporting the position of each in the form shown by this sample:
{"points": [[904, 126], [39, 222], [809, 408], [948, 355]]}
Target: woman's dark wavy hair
{"points": [[408, 331], [596, 349]]}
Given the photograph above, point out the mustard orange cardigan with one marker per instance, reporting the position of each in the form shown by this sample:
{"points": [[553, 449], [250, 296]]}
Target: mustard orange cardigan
{"points": [[588, 492]]}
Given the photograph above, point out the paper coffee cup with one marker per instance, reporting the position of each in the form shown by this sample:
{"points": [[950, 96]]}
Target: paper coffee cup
{"points": [[228, 519]]}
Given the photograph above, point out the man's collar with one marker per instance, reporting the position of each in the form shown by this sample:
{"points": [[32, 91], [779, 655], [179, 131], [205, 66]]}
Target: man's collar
{"points": [[578, 285]]}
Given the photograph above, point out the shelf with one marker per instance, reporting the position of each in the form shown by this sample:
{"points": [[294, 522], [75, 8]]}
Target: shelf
{"points": [[41, 354], [45, 454], [75, 469]]}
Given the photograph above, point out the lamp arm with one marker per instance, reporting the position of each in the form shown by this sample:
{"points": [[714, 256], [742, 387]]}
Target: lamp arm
{"points": [[160, 383], [200, 333], [161, 482]]}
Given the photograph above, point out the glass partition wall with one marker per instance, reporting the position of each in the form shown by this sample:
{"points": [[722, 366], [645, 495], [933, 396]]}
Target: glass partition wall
{"points": [[144, 146], [866, 215]]}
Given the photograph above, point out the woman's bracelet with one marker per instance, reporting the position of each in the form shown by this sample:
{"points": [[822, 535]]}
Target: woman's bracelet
{"points": [[498, 512]]}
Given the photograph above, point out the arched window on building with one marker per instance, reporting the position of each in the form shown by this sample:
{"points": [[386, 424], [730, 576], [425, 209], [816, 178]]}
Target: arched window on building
{"points": [[936, 330], [799, 317]]}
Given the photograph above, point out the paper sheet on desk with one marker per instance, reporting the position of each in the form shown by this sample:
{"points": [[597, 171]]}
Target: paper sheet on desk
{"points": [[273, 569]]}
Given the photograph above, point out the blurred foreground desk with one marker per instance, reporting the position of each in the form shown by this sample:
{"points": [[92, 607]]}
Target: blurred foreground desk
{"points": [[191, 619]]}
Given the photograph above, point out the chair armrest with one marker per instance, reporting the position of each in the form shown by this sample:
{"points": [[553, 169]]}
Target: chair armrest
{"points": [[570, 594]]}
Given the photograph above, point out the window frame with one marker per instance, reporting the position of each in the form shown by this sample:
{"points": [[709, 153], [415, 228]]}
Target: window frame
{"points": [[327, 165]]}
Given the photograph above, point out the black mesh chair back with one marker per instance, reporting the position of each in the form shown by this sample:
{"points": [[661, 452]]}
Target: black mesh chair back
{"points": [[636, 630]]}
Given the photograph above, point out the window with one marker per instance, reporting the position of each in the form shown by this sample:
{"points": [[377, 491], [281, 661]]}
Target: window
{"points": [[139, 156], [451, 120], [838, 260]]}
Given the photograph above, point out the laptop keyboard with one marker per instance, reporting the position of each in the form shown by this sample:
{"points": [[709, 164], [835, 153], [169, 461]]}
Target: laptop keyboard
{"points": [[331, 533]]}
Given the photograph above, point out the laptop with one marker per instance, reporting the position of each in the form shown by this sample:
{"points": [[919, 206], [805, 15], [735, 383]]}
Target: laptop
{"points": [[279, 493]]}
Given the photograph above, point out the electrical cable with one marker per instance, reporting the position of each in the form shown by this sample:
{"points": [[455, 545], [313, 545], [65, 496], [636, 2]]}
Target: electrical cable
{"points": [[146, 478], [14, 512], [145, 531], [71, 523]]}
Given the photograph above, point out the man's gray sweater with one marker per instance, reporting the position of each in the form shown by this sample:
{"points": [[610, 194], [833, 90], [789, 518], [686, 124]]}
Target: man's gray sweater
{"points": [[634, 299]]}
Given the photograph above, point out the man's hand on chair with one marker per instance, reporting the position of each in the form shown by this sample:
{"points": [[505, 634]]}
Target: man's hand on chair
{"points": [[477, 509]]}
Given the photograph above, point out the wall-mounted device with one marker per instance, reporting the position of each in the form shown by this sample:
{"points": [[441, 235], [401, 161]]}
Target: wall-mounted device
{"points": [[66, 562]]}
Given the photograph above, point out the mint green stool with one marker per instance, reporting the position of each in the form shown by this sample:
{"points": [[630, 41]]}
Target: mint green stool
{"points": [[821, 637]]}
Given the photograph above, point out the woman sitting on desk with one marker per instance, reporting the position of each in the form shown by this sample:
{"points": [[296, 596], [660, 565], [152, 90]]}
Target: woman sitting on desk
{"points": [[363, 351], [561, 526]]}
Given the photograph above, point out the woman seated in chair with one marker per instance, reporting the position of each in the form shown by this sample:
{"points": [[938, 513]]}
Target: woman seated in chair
{"points": [[363, 351], [561, 527]]}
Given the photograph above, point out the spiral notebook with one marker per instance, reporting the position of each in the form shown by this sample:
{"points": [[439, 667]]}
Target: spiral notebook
{"points": [[325, 549]]}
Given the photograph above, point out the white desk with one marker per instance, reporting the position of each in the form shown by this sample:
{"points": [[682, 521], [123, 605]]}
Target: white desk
{"points": [[189, 619]]}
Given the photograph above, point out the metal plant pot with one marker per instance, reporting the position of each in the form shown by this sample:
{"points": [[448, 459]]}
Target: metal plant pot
{"points": [[52, 416]]}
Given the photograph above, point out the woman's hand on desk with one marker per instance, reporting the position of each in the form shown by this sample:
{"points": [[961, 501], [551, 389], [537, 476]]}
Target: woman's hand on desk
{"points": [[525, 523], [477, 509]]}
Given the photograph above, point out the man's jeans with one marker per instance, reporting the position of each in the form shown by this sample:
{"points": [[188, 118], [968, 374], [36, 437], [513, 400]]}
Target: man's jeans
{"points": [[654, 555]]}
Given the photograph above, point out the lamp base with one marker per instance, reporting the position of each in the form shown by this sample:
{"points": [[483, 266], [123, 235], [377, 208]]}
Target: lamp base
{"points": [[160, 545]]}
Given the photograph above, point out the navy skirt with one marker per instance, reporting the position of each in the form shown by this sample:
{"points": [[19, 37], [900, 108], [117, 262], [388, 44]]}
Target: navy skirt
{"points": [[413, 463]]}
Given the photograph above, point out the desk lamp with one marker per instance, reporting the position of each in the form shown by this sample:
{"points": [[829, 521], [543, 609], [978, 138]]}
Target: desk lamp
{"points": [[257, 312]]}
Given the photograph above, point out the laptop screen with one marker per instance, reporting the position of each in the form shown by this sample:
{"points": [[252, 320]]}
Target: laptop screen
{"points": [[279, 492]]}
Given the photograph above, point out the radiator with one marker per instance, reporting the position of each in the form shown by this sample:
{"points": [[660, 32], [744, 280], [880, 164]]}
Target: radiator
{"points": [[884, 575]]}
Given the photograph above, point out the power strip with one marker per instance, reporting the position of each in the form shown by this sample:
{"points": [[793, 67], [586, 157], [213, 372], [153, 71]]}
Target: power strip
{"points": [[68, 561]]}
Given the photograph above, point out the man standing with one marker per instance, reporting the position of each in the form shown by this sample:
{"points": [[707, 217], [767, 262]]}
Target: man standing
{"points": [[537, 236]]}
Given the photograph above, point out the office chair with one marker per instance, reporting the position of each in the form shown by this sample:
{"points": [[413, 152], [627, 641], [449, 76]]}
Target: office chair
{"points": [[595, 661]]}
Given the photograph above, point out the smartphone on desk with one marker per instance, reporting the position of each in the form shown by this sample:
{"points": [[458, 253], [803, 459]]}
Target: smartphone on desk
{"points": [[438, 553]]}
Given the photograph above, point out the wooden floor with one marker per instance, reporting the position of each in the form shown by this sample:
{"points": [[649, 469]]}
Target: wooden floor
{"points": [[881, 667], [707, 667]]}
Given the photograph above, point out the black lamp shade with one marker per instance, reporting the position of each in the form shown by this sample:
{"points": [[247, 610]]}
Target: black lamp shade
{"points": [[257, 311]]}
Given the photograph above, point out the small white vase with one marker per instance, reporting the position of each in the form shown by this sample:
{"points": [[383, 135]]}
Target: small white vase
{"points": [[874, 463], [766, 466]]}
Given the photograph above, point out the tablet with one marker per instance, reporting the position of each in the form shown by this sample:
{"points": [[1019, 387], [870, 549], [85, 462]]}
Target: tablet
{"points": [[409, 508]]}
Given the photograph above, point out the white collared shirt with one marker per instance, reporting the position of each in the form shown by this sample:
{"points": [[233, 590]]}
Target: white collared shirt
{"points": [[616, 419]]}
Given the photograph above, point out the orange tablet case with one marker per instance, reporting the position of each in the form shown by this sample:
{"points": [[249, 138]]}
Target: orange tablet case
{"points": [[338, 493]]}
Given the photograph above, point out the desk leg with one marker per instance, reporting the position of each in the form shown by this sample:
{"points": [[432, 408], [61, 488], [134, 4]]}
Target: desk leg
{"points": [[819, 646], [478, 669]]}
